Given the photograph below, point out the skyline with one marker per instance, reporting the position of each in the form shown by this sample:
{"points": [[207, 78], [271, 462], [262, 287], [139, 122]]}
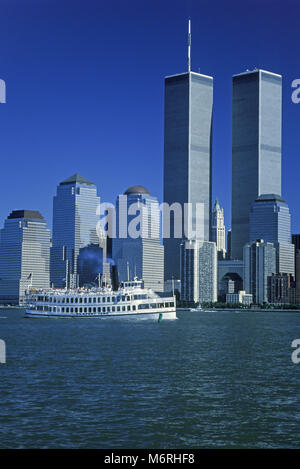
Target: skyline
{"points": [[36, 140]]}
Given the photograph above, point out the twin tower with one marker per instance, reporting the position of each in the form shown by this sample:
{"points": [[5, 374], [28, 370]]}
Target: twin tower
{"points": [[256, 150]]}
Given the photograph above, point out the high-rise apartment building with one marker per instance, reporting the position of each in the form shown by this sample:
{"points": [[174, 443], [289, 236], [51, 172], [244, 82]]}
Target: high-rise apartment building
{"points": [[24, 255], [75, 218], [218, 232], [256, 147], [198, 271], [137, 248], [187, 160]]}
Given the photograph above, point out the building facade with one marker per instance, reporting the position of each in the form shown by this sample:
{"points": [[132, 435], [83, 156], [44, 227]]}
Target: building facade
{"points": [[137, 249], [259, 264], [270, 220], [75, 219], [256, 147], [296, 242], [218, 232], [198, 272], [24, 255], [187, 162], [240, 297]]}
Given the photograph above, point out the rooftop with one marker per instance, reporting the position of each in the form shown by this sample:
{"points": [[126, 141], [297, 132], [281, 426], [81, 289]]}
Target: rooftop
{"points": [[270, 198], [32, 214], [76, 179], [137, 190]]}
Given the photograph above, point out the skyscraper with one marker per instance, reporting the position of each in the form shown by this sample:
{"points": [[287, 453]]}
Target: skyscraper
{"points": [[24, 255], [296, 242], [256, 147], [75, 218], [218, 229], [137, 248], [187, 158], [259, 264], [270, 220], [198, 271]]}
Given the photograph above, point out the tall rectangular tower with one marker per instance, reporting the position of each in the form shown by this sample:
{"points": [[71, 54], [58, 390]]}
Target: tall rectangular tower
{"points": [[75, 219], [187, 156], [256, 147]]}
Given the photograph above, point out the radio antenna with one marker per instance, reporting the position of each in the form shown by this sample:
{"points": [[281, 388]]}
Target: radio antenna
{"points": [[189, 47]]}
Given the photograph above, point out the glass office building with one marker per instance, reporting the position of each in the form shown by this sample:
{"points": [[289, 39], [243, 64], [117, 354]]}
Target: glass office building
{"points": [[256, 147], [137, 249], [187, 159], [270, 220], [75, 218], [24, 255]]}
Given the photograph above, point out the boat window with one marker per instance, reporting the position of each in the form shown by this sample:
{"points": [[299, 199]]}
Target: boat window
{"points": [[108, 309], [99, 299], [72, 300], [123, 308], [67, 310], [99, 310], [67, 300], [76, 300], [76, 310], [85, 310], [103, 299], [90, 310], [134, 308], [113, 299], [94, 299], [128, 308], [123, 298], [113, 309], [108, 300], [85, 300], [95, 310], [103, 309], [118, 308], [90, 300]]}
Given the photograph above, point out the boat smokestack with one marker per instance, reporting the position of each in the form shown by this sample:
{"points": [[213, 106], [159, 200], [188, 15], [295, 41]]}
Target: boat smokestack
{"points": [[114, 278]]}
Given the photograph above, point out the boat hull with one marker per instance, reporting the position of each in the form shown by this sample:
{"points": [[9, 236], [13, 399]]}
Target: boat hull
{"points": [[159, 315]]}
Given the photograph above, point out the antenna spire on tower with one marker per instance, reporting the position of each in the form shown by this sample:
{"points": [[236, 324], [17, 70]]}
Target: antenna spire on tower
{"points": [[189, 47]]}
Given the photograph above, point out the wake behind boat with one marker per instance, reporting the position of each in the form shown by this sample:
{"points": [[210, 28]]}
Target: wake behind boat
{"points": [[130, 300]]}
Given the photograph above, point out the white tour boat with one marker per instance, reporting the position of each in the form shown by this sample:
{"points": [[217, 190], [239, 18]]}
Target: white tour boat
{"points": [[130, 300]]}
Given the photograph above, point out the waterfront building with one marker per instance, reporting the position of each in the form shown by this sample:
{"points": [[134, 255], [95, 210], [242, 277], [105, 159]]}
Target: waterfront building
{"points": [[187, 160], [240, 297], [198, 271], [296, 242], [281, 289], [218, 229], [230, 277], [139, 253], [24, 255], [75, 218], [270, 220], [259, 264], [256, 147]]}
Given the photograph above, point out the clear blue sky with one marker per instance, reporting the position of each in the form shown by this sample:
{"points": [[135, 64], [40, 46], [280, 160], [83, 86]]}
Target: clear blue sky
{"points": [[85, 89]]}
